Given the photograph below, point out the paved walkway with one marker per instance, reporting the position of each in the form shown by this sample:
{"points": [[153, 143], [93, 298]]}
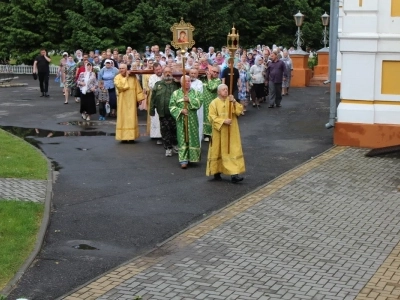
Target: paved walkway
{"points": [[23, 189], [326, 230]]}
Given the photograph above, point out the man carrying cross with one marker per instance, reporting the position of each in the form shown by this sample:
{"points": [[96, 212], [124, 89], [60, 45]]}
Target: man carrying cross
{"points": [[183, 105]]}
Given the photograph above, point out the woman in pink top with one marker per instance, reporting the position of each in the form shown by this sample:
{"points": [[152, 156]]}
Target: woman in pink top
{"points": [[219, 59]]}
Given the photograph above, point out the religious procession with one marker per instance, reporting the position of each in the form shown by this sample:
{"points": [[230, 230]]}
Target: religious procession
{"points": [[190, 95]]}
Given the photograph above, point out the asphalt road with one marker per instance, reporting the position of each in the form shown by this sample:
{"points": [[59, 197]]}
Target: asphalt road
{"points": [[124, 199]]}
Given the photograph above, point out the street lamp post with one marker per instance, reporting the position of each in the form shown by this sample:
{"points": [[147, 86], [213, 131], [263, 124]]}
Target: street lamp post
{"points": [[325, 23], [299, 18]]}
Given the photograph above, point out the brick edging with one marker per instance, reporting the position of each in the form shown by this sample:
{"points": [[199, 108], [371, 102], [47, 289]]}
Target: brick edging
{"points": [[191, 233]]}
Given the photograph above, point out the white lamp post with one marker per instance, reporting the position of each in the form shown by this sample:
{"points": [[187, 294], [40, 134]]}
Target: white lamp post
{"points": [[299, 18], [325, 23]]}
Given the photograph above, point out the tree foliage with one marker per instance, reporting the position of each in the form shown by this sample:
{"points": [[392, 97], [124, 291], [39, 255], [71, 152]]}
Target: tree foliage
{"points": [[99, 24]]}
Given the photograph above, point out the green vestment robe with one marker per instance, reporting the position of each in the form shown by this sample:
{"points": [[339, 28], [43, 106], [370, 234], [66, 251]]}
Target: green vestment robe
{"points": [[190, 151], [209, 94]]}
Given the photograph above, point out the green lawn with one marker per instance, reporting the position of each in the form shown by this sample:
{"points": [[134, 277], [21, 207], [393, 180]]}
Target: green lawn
{"points": [[19, 160], [19, 223], [55, 60]]}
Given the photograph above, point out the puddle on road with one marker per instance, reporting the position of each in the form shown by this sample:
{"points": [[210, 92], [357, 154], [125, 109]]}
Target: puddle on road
{"points": [[89, 124], [30, 134], [86, 124], [84, 247], [55, 165]]}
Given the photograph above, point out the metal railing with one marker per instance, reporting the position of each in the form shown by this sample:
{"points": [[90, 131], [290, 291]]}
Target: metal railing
{"points": [[24, 69]]}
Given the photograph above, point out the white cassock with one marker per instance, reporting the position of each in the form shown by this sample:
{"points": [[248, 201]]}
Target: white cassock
{"points": [[197, 85], [155, 131]]}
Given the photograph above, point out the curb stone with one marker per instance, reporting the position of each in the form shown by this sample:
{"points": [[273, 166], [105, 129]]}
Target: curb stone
{"points": [[13, 85], [42, 230]]}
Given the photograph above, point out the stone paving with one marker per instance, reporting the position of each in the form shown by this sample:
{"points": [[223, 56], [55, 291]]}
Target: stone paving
{"points": [[23, 189], [326, 230]]}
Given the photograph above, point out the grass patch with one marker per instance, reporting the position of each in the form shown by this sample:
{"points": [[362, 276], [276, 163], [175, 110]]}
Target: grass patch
{"points": [[19, 160], [19, 224], [55, 59]]}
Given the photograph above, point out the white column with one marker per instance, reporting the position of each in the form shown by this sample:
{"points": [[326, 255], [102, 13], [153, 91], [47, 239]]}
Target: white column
{"points": [[339, 54], [370, 48]]}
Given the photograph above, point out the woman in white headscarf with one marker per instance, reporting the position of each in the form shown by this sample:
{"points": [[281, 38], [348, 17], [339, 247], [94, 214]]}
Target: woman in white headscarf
{"points": [[87, 82], [289, 68], [257, 80], [79, 55]]}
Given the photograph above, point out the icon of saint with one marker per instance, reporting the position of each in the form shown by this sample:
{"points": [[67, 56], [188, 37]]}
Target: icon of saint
{"points": [[182, 37]]}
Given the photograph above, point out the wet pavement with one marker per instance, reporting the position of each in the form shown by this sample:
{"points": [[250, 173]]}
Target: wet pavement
{"points": [[125, 199], [327, 229]]}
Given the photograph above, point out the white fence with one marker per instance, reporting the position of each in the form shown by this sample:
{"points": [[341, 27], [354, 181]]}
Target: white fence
{"points": [[23, 69]]}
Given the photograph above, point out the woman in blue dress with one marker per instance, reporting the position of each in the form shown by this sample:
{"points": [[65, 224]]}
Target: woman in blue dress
{"points": [[243, 92], [107, 74]]}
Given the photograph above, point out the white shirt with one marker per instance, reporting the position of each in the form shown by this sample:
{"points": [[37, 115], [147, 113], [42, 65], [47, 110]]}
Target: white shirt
{"points": [[211, 56], [257, 73], [153, 79], [153, 55], [197, 85], [188, 67]]}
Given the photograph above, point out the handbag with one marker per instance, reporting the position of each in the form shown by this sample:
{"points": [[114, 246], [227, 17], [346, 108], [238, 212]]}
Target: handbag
{"points": [[57, 79], [77, 92], [143, 104], [34, 76]]}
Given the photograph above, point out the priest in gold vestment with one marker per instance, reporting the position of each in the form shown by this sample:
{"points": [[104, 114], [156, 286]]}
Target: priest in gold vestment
{"points": [[221, 158], [129, 94]]}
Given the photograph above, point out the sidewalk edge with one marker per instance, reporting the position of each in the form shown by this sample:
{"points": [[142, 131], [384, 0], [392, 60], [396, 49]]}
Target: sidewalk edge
{"points": [[194, 224], [42, 230]]}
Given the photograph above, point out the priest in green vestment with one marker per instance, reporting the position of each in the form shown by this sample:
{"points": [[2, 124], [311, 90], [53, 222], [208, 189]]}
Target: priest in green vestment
{"points": [[210, 85], [189, 151], [225, 155]]}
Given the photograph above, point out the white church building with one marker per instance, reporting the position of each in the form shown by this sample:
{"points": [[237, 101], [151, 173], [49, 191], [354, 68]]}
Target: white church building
{"points": [[368, 70]]}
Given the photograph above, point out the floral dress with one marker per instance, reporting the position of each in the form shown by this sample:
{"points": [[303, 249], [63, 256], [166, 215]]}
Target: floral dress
{"points": [[242, 93], [70, 76]]}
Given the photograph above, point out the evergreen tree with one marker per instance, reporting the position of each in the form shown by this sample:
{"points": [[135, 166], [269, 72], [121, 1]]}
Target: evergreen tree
{"points": [[100, 24]]}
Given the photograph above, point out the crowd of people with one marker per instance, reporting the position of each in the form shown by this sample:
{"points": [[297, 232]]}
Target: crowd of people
{"points": [[181, 113]]}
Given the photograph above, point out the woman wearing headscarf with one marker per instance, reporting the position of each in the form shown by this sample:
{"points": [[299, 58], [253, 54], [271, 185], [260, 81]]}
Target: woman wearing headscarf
{"points": [[289, 68], [79, 55], [250, 59], [107, 74], [245, 64], [219, 58], [69, 77], [87, 82], [257, 79]]}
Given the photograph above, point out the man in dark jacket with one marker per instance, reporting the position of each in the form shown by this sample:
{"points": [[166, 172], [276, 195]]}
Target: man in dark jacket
{"points": [[159, 101], [41, 67], [276, 73]]}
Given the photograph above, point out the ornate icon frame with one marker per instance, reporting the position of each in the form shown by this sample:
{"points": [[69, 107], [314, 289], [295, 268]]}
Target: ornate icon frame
{"points": [[187, 28]]}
